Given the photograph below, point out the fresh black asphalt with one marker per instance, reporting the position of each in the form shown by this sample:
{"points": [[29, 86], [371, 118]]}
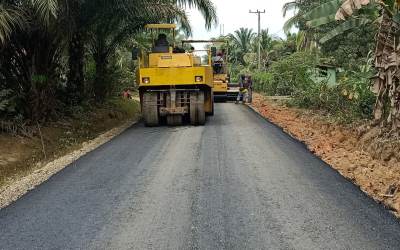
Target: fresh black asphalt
{"points": [[237, 183]]}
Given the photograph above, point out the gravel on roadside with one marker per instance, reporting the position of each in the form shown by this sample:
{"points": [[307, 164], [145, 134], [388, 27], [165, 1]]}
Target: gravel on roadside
{"points": [[16, 189]]}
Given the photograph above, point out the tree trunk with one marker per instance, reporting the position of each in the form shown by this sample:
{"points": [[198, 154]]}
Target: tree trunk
{"points": [[387, 80], [76, 79], [100, 84]]}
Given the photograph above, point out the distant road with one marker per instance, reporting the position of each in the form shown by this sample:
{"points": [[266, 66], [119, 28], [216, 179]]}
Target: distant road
{"points": [[237, 183]]}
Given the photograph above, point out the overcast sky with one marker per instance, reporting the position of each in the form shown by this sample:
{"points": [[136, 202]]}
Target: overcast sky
{"points": [[234, 14]]}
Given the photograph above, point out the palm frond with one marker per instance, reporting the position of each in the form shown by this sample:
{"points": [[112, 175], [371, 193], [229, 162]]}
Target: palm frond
{"points": [[206, 8], [325, 9], [343, 27], [321, 21], [10, 18], [288, 7], [291, 23], [46, 10]]}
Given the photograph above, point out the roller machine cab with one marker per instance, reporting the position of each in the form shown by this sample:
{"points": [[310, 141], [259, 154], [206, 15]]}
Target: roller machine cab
{"points": [[175, 85], [220, 64]]}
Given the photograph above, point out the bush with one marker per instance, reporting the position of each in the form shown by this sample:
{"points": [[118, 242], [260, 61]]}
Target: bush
{"points": [[6, 102], [234, 71], [351, 99], [286, 76], [262, 82]]}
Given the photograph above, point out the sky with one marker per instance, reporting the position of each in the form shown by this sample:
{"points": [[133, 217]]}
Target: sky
{"points": [[234, 14]]}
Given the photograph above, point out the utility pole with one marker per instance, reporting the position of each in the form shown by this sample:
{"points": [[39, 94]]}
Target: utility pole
{"points": [[258, 12]]}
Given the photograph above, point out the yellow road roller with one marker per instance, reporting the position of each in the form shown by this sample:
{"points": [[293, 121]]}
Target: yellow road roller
{"points": [[221, 71], [175, 85], [219, 61]]}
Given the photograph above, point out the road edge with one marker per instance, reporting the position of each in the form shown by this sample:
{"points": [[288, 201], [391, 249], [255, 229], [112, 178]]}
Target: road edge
{"points": [[12, 192], [387, 208]]}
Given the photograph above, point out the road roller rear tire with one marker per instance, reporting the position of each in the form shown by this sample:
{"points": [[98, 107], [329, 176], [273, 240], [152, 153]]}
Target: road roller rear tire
{"points": [[174, 120], [201, 114], [197, 112], [150, 109], [211, 113]]}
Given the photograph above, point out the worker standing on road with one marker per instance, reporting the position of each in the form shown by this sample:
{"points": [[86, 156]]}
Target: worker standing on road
{"points": [[243, 90], [249, 89]]}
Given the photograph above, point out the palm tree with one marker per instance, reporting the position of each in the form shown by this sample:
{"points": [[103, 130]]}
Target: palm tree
{"points": [[30, 58], [16, 15], [295, 19], [206, 8], [267, 43], [306, 34], [36, 37], [241, 42], [108, 33], [120, 19]]}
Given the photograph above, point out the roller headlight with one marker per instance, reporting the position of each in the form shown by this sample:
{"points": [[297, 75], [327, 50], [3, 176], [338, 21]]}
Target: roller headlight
{"points": [[146, 80], [198, 79]]}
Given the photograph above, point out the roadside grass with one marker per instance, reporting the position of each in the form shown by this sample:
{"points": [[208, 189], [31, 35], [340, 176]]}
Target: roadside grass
{"points": [[20, 155]]}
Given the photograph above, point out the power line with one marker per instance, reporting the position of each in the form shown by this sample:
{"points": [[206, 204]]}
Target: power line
{"points": [[258, 12]]}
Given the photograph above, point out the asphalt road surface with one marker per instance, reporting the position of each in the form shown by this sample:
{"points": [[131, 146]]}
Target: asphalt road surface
{"points": [[237, 183]]}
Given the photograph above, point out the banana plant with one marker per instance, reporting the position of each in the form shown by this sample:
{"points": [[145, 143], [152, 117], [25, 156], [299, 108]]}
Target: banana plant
{"points": [[337, 10], [351, 14], [386, 58]]}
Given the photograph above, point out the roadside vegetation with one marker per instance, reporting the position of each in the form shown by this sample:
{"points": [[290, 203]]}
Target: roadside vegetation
{"points": [[58, 55], [30, 150], [352, 123], [64, 66], [358, 39]]}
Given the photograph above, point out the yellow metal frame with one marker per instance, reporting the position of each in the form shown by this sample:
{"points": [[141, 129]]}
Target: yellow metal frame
{"points": [[173, 69], [160, 26], [175, 76], [168, 71], [220, 84]]}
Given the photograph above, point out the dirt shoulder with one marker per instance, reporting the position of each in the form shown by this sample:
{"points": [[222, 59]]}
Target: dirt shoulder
{"points": [[27, 161], [360, 153]]}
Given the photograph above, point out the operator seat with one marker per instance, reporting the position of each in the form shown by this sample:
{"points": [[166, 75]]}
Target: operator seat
{"points": [[161, 45]]}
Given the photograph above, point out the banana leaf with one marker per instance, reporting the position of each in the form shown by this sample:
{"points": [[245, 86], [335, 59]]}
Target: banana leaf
{"points": [[345, 26]]}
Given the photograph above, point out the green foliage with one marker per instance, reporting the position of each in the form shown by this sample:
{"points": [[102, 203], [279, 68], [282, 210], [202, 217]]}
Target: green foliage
{"points": [[7, 104], [283, 47], [235, 70], [240, 43], [46, 44], [128, 107], [349, 50], [262, 82], [286, 76], [343, 27], [349, 100]]}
